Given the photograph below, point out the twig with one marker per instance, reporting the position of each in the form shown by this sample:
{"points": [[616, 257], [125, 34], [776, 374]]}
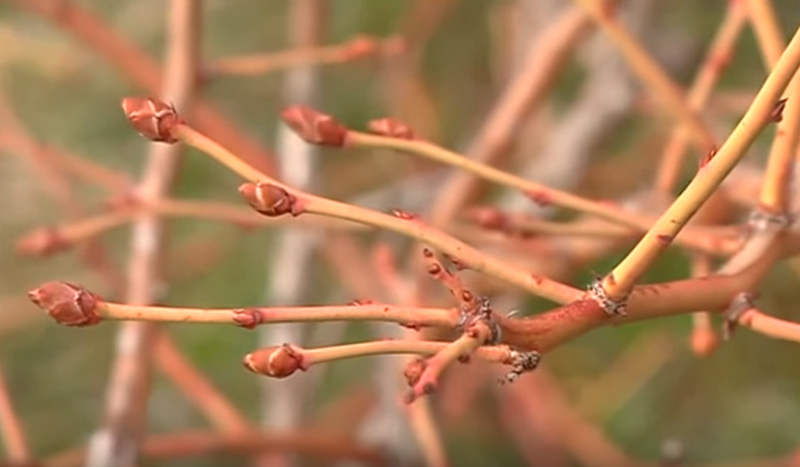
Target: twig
{"points": [[619, 282], [770, 326], [202, 443], [283, 361], [143, 71], [272, 198], [543, 63], [650, 73], [718, 56], [703, 339], [196, 387], [302, 55], [768, 30]]}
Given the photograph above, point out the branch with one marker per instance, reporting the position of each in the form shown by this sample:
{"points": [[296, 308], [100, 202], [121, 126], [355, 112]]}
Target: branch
{"points": [[618, 283], [117, 444]]}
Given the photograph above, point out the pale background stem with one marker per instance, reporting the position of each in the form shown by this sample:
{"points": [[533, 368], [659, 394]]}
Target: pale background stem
{"points": [[291, 255], [117, 443]]}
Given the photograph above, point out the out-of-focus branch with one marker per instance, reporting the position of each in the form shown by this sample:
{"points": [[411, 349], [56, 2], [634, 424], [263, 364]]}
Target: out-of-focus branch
{"points": [[143, 71], [719, 55], [290, 259], [117, 443], [203, 443], [11, 430], [302, 56], [544, 60]]}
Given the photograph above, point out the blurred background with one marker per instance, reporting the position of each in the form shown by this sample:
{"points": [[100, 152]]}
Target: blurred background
{"points": [[440, 66]]}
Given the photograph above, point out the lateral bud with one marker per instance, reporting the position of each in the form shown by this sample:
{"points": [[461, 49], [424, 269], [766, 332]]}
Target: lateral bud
{"points": [[152, 118], [67, 303], [268, 199], [314, 127], [277, 361]]}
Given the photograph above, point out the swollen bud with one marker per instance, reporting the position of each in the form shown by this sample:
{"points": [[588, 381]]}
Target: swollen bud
{"points": [[277, 361], [269, 200], [153, 119], [314, 127], [68, 304]]}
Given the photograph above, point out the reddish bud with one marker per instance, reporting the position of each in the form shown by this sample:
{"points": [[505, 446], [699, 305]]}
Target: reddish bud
{"points": [[42, 242], [277, 362], [459, 264], [664, 239], [405, 215], [153, 119], [434, 269], [708, 157], [362, 302], [777, 112], [414, 370], [247, 318], [268, 199], [314, 127], [68, 304], [391, 128]]}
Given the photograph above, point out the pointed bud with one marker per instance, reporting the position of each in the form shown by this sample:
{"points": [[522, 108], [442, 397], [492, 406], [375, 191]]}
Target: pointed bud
{"points": [[314, 127], [277, 362], [153, 119], [268, 199], [391, 128], [68, 304]]}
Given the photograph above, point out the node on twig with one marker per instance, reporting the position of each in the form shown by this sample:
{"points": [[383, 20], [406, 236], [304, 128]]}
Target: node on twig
{"points": [[738, 306], [612, 307], [521, 362]]}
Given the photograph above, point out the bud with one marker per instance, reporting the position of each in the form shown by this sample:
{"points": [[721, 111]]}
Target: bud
{"points": [[314, 127], [42, 242], [414, 369], [153, 119], [391, 128], [247, 318], [68, 304], [268, 199], [777, 112], [277, 362]]}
